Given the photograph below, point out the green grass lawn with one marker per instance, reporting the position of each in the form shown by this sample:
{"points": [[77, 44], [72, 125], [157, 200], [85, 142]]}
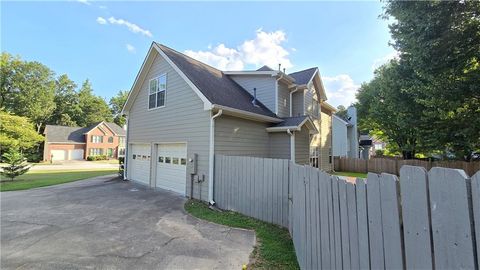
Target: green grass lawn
{"points": [[275, 247], [351, 174], [34, 179], [108, 161]]}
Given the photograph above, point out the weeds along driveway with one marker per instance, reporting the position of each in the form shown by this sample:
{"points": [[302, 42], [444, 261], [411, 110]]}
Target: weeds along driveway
{"points": [[110, 224]]}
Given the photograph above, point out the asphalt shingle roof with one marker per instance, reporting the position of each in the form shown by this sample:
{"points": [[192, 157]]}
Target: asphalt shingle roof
{"points": [[66, 134], [303, 76], [116, 128], [216, 86], [265, 68], [291, 121]]}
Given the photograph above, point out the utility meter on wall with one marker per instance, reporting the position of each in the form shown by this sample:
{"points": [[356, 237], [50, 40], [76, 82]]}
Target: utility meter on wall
{"points": [[192, 164]]}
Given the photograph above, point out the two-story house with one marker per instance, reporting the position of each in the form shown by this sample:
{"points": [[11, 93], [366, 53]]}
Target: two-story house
{"points": [[182, 112], [77, 143]]}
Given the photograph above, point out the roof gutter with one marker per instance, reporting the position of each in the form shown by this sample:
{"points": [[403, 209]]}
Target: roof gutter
{"points": [[211, 156], [245, 114]]}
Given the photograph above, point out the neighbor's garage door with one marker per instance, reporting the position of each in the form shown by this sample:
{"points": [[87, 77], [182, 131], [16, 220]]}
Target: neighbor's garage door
{"points": [[139, 163], [171, 167], [58, 155], [76, 154]]}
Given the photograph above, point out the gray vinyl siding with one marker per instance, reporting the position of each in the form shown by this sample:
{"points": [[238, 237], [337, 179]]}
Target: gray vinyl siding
{"points": [[239, 137], [280, 145], [183, 119], [265, 85], [309, 101], [340, 139], [302, 146], [283, 100], [297, 103]]}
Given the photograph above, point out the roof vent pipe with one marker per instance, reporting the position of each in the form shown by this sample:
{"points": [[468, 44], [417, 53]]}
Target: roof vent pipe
{"points": [[279, 67], [254, 101], [284, 70]]}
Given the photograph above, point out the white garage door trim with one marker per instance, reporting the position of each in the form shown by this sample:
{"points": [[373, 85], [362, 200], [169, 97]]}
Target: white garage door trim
{"points": [[76, 154], [171, 167], [58, 155], [139, 156]]}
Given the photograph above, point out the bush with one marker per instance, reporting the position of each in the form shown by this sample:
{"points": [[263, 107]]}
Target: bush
{"points": [[98, 157], [379, 153], [121, 160], [17, 164]]}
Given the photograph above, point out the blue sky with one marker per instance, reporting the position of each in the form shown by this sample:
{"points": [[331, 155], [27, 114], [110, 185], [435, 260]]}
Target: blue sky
{"points": [[106, 42]]}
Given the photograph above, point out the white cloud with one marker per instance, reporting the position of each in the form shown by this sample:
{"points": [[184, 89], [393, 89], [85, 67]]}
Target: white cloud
{"points": [[383, 60], [131, 26], [340, 89], [101, 20], [102, 7], [130, 48], [86, 2], [265, 49]]}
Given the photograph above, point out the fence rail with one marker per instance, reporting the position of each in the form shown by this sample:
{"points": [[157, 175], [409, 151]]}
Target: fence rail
{"points": [[393, 166], [418, 221]]}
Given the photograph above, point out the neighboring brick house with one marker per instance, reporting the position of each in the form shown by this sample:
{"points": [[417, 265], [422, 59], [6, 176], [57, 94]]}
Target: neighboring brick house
{"points": [[77, 143]]}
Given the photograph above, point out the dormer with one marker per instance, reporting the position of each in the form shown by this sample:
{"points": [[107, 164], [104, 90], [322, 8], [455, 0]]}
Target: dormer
{"points": [[271, 87], [309, 93]]}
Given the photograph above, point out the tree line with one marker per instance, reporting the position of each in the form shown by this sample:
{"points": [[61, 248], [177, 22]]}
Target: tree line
{"points": [[31, 93], [428, 99]]}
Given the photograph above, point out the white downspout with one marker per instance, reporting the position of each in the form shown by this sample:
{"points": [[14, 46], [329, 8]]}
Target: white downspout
{"points": [[291, 102], [211, 156], [125, 159], [292, 145], [276, 93]]}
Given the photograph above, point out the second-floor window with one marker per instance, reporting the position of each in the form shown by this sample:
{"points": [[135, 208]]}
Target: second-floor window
{"points": [[96, 139], [157, 92], [110, 139]]}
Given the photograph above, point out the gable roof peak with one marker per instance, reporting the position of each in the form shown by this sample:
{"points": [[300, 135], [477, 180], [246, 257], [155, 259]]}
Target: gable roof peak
{"points": [[265, 68]]}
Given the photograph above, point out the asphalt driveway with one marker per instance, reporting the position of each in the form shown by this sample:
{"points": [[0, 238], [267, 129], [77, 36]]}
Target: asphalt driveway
{"points": [[110, 224], [75, 165]]}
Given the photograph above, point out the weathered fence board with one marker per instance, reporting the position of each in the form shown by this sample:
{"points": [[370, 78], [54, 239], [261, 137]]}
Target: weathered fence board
{"points": [[451, 221], [352, 226], [476, 210], [392, 238], [336, 222], [416, 218], [393, 165], [363, 247], [323, 218], [422, 221], [375, 222]]}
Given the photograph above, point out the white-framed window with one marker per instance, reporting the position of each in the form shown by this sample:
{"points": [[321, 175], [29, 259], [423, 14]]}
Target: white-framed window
{"points": [[95, 151], [110, 139], [96, 139], [157, 92], [314, 155]]}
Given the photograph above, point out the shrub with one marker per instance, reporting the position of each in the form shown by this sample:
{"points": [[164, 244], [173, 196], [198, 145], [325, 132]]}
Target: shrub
{"points": [[17, 164], [379, 153], [97, 157], [121, 160]]}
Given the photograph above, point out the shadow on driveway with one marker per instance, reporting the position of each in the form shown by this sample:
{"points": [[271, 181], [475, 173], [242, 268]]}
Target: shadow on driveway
{"points": [[104, 224]]}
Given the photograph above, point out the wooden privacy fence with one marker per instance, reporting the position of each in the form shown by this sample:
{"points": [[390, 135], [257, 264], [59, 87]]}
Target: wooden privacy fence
{"points": [[256, 187], [420, 221], [393, 166]]}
